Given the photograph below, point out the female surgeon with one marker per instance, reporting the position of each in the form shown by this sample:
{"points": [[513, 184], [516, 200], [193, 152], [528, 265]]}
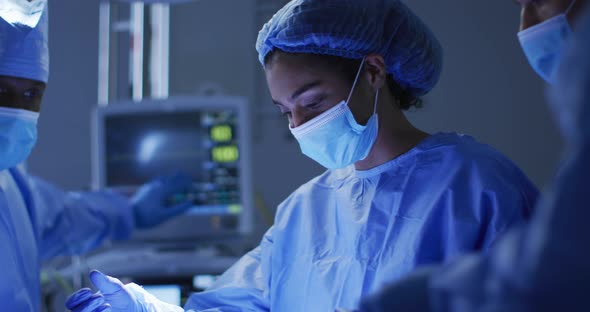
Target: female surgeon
{"points": [[343, 72]]}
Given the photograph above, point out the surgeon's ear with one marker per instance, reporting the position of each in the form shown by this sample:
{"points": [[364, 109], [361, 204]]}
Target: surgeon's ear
{"points": [[375, 71]]}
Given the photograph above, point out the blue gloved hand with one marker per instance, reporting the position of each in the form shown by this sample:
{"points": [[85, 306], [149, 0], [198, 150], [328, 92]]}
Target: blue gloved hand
{"points": [[85, 301], [149, 202], [112, 296]]}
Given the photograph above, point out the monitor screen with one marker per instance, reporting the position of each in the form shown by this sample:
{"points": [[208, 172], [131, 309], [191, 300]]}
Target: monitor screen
{"points": [[203, 144], [205, 138]]}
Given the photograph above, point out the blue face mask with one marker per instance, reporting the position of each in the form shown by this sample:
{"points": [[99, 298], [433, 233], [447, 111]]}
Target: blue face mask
{"points": [[334, 139], [543, 44], [18, 135]]}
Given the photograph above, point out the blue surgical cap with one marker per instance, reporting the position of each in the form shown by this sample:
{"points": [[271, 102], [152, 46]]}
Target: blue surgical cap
{"points": [[24, 51], [353, 29]]}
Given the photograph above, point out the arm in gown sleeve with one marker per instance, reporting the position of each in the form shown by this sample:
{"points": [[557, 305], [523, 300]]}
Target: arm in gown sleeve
{"points": [[75, 222], [244, 287]]}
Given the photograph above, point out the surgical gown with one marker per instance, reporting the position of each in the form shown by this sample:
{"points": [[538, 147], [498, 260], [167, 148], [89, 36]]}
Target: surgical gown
{"points": [[346, 232], [38, 221]]}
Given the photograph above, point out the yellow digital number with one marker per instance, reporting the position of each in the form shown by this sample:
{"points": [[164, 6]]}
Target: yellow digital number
{"points": [[225, 154], [221, 133]]}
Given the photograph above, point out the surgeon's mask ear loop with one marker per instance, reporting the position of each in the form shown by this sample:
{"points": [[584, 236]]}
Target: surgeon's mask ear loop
{"points": [[358, 74], [569, 8], [376, 94], [376, 101], [356, 79]]}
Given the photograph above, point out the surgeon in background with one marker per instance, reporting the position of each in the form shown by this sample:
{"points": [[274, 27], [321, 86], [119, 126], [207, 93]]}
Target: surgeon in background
{"points": [[342, 73], [545, 265], [38, 220]]}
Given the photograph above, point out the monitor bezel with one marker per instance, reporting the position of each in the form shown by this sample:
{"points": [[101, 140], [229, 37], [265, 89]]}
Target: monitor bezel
{"points": [[180, 228]]}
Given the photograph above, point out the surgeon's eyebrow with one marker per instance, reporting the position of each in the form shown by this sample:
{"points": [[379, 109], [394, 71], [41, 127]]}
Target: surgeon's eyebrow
{"points": [[305, 88], [301, 90]]}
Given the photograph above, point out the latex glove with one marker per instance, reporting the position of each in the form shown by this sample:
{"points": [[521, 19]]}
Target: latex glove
{"points": [[85, 301], [149, 202], [113, 296]]}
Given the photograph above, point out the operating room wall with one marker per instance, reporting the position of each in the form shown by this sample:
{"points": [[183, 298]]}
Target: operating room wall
{"points": [[487, 88]]}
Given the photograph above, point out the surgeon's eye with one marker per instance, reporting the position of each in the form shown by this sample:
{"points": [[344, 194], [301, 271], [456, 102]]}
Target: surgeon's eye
{"points": [[5, 97], [32, 94], [313, 105], [283, 111]]}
